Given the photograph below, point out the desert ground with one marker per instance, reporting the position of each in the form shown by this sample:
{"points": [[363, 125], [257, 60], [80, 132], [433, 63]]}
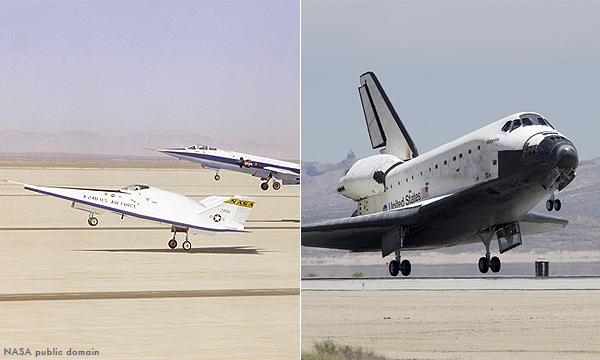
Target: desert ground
{"points": [[119, 290], [457, 324]]}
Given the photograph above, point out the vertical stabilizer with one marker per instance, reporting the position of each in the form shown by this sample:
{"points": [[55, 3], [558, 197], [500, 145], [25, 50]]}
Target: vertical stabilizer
{"points": [[231, 212], [384, 125]]}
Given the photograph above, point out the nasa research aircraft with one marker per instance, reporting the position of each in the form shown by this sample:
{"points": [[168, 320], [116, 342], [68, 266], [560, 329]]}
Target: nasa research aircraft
{"points": [[214, 213], [473, 189], [282, 172]]}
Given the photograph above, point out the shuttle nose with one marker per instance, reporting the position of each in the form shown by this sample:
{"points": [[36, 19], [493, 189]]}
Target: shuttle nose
{"points": [[566, 157]]}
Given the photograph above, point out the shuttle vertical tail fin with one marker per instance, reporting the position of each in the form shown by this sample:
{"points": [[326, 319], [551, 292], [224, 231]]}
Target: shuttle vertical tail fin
{"points": [[384, 125]]}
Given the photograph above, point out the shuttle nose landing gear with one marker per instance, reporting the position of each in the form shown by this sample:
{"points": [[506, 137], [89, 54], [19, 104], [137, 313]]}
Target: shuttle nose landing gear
{"points": [[396, 266], [553, 203]]}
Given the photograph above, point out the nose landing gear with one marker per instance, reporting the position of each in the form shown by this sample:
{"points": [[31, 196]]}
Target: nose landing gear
{"points": [[553, 203], [485, 263]]}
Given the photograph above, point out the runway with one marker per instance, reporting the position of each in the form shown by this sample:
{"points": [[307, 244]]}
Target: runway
{"points": [[461, 283], [521, 318], [119, 289]]}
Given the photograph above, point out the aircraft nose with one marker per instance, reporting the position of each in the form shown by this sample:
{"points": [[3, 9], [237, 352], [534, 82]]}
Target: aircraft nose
{"points": [[566, 157]]}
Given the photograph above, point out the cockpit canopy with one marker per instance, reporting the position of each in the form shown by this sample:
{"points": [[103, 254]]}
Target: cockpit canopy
{"points": [[135, 187], [201, 147], [526, 120]]}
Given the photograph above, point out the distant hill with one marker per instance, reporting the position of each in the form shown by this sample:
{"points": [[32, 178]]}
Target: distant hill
{"points": [[580, 200], [15, 143]]}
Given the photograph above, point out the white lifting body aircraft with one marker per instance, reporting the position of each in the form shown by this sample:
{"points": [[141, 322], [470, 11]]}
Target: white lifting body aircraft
{"points": [[282, 172], [473, 189], [214, 213]]}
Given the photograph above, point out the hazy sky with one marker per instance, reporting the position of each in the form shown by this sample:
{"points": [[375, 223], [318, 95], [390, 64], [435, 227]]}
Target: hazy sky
{"points": [[449, 68], [220, 68]]}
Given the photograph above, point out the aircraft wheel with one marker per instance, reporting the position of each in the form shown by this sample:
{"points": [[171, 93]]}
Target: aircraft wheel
{"points": [[186, 245], [557, 205], [549, 205], [93, 221], [172, 243], [405, 267], [484, 265], [394, 268], [276, 185], [264, 186], [217, 177], [495, 264]]}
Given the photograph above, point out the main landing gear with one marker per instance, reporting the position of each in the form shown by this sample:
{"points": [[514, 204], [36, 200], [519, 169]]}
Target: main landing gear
{"points": [[265, 184], [553, 203], [485, 263], [396, 266], [187, 245], [217, 177]]}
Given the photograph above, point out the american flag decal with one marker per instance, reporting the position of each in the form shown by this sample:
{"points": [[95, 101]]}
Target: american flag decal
{"points": [[424, 192]]}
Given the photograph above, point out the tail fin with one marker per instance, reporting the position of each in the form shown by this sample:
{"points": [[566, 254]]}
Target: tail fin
{"points": [[230, 213], [384, 124]]}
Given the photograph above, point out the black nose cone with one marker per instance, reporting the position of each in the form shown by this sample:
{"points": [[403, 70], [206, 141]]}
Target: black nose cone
{"points": [[566, 157]]}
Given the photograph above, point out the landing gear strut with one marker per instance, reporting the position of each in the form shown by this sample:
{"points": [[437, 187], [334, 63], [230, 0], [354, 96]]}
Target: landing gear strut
{"points": [[485, 263]]}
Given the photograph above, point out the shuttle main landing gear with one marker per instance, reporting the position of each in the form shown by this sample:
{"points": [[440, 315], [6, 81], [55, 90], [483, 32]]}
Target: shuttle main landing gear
{"points": [[485, 263], [396, 266]]}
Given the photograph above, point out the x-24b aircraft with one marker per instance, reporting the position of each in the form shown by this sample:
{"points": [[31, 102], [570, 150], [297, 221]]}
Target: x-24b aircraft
{"points": [[214, 213], [281, 172], [482, 185]]}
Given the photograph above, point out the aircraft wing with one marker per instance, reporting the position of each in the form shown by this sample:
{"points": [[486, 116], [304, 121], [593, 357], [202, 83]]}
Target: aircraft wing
{"points": [[430, 223], [280, 170], [364, 233], [534, 223]]}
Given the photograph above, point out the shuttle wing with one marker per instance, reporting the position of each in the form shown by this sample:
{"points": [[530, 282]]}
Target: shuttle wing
{"points": [[430, 225], [384, 125], [364, 233], [534, 223]]}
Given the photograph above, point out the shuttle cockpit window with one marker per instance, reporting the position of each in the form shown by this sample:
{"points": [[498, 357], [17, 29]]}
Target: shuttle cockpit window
{"points": [[545, 122], [515, 124], [506, 126], [526, 122]]}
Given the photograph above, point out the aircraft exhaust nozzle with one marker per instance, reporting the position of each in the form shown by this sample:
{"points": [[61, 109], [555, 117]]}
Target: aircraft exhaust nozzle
{"points": [[566, 157]]}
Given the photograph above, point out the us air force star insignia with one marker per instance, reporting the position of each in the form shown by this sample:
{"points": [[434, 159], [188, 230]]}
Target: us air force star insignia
{"points": [[217, 217]]}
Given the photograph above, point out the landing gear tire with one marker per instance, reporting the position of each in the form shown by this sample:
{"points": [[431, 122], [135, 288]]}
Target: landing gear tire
{"points": [[93, 221], [186, 245], [495, 264], [484, 265], [172, 243], [217, 177], [550, 205], [276, 185], [405, 267], [557, 205], [394, 268], [264, 186]]}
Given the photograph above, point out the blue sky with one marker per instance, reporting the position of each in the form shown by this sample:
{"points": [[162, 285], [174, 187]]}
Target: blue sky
{"points": [[449, 68], [220, 68]]}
